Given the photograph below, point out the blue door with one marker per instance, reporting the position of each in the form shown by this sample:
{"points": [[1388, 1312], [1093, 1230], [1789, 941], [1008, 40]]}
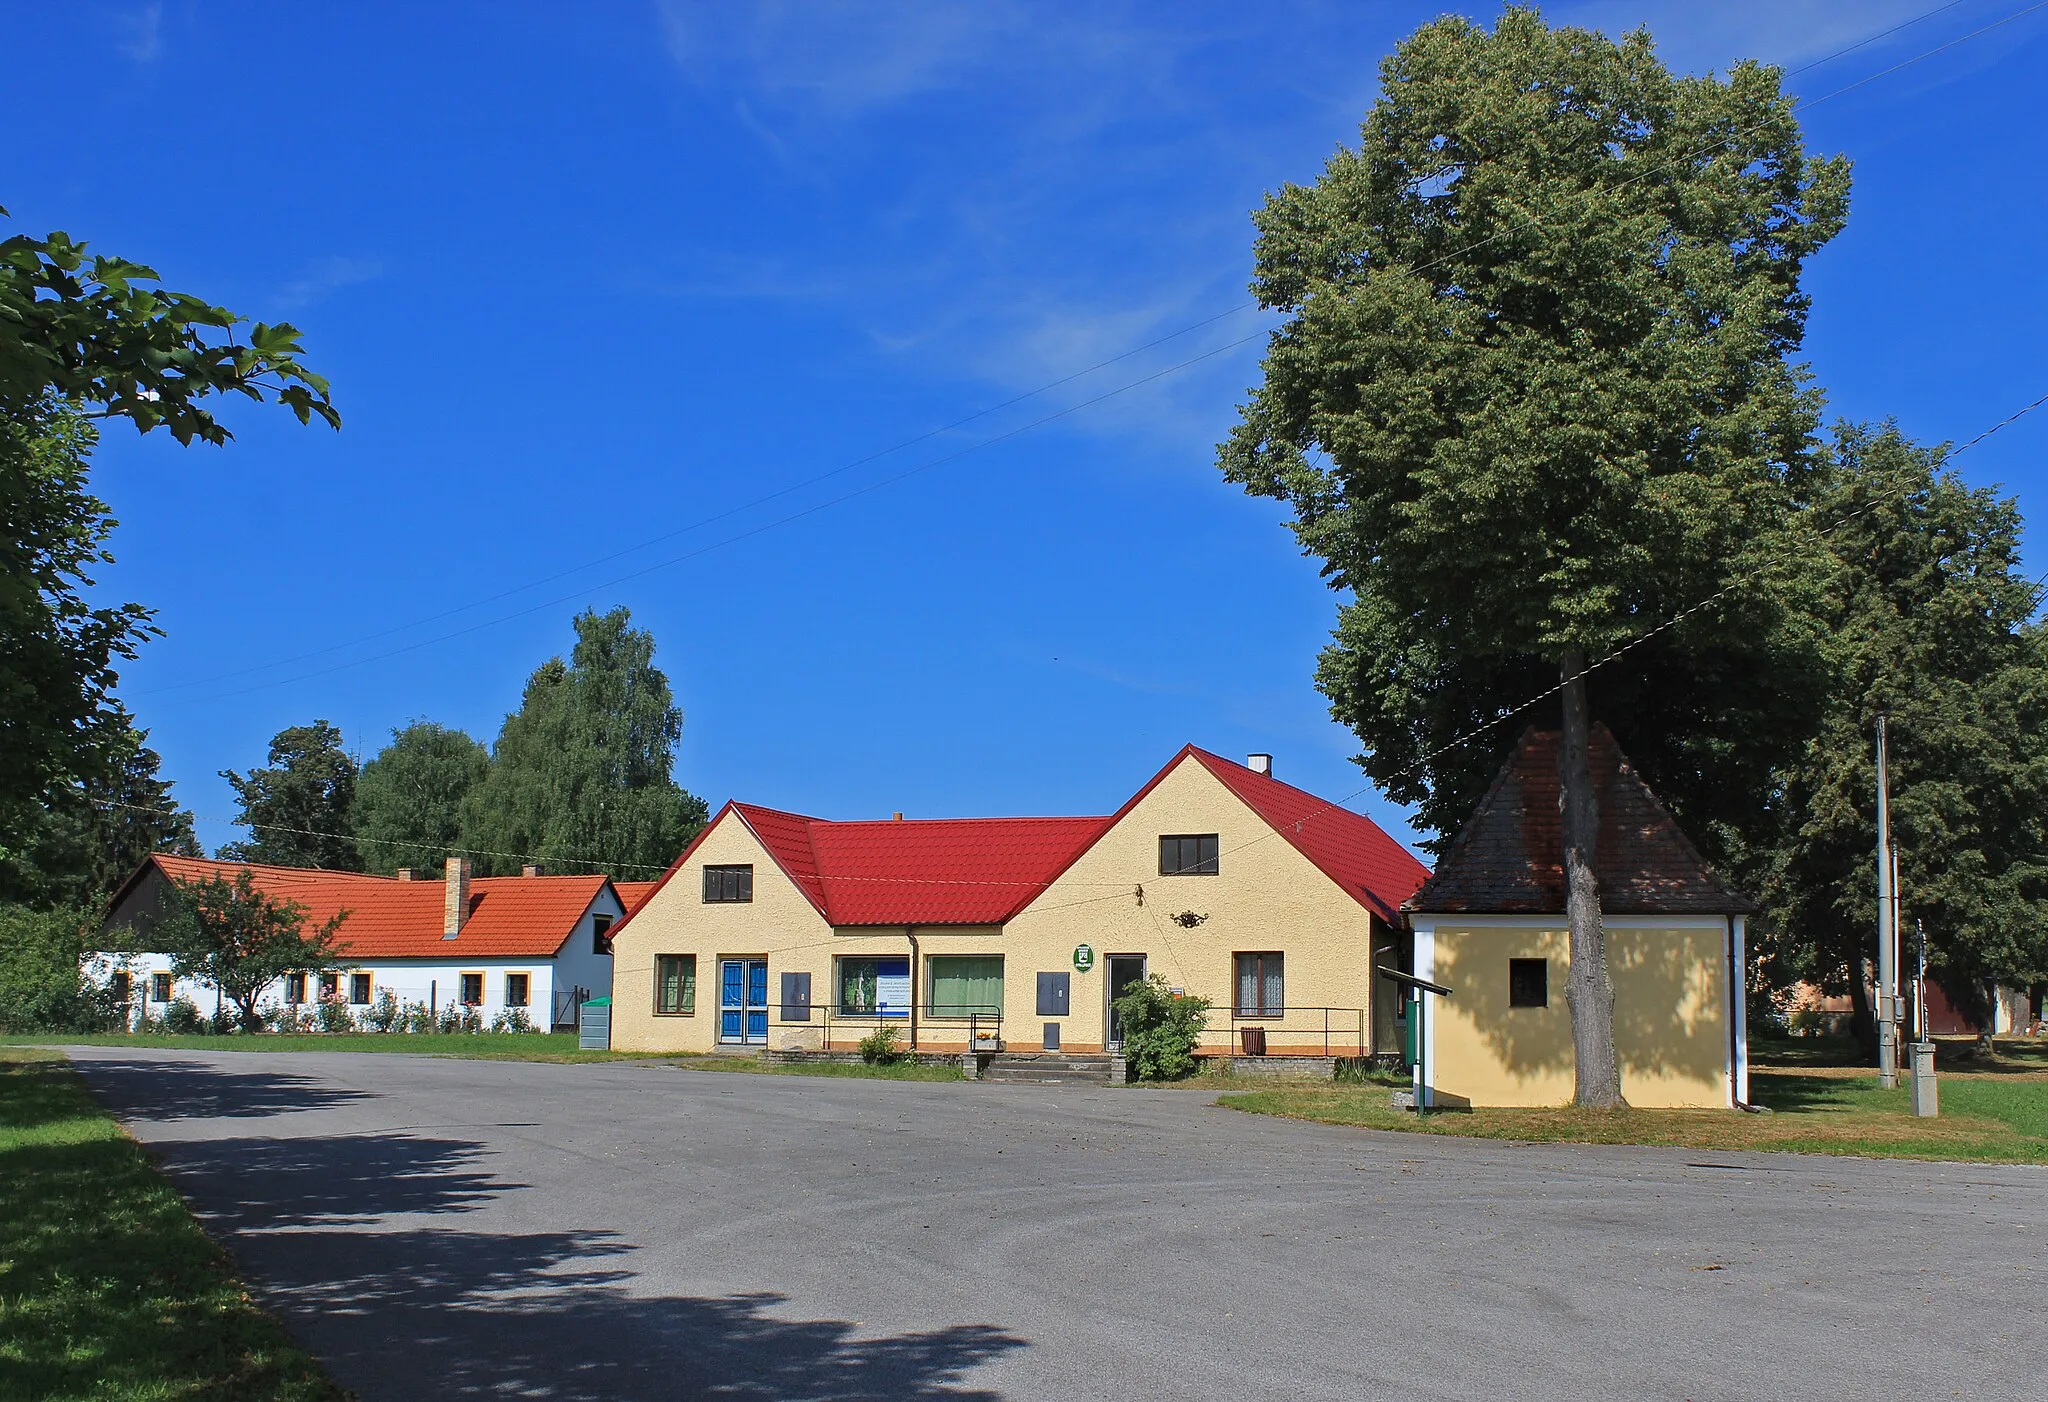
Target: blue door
{"points": [[743, 1000]]}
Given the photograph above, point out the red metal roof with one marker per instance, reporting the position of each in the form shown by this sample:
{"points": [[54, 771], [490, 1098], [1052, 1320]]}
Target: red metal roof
{"points": [[512, 917], [983, 871]]}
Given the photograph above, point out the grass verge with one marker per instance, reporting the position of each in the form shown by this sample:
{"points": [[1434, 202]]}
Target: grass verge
{"points": [[855, 1070], [483, 1046], [108, 1289], [1993, 1117]]}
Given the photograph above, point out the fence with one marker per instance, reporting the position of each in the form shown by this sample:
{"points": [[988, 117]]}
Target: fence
{"points": [[1292, 1031], [979, 1025]]}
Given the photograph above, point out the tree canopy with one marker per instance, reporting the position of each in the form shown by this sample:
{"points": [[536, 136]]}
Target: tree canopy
{"points": [[87, 837], [1929, 620], [408, 807], [241, 939], [300, 811], [1534, 396], [581, 775]]}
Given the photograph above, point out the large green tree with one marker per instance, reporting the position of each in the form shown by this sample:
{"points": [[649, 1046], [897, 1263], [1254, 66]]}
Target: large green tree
{"points": [[409, 796], [1929, 620], [88, 836], [84, 337], [581, 774], [1534, 396], [241, 939], [300, 811]]}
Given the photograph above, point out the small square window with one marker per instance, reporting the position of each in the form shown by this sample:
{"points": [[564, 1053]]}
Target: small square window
{"points": [[159, 988], [1528, 983], [330, 987], [359, 989], [728, 884], [1188, 854], [516, 986], [472, 989], [295, 988]]}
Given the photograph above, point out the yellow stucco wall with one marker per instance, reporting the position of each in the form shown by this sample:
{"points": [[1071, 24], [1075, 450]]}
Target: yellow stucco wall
{"points": [[1266, 896], [1670, 1016]]}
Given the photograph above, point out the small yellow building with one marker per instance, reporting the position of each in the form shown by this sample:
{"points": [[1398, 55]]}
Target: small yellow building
{"points": [[1490, 926], [775, 930]]}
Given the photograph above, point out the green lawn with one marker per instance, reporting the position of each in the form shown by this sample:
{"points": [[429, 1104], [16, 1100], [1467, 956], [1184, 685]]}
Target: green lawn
{"points": [[904, 1071], [512, 1046], [1994, 1115], [108, 1289]]}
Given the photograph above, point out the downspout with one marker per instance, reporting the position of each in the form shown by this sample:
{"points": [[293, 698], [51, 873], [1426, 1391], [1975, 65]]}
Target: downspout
{"points": [[910, 933]]}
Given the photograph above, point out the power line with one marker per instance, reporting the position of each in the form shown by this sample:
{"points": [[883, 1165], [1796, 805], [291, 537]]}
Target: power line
{"points": [[1017, 399]]}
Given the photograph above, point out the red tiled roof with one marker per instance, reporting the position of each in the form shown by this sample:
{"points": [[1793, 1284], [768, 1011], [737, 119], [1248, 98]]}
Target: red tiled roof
{"points": [[509, 916], [631, 893], [1349, 848], [1509, 858], [982, 871]]}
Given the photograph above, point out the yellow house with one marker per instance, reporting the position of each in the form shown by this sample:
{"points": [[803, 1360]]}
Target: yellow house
{"points": [[1490, 926], [779, 931]]}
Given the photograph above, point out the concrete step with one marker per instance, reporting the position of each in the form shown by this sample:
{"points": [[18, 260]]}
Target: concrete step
{"points": [[1048, 1068]]}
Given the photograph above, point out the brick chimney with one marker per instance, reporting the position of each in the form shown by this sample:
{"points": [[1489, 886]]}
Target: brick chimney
{"points": [[407, 874], [457, 907], [530, 869]]}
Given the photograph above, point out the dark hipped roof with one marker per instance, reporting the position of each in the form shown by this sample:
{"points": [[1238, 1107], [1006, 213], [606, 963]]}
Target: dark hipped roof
{"points": [[1509, 858]]}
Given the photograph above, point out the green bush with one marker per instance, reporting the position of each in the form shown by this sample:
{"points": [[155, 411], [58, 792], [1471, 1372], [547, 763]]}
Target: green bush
{"points": [[333, 1015], [418, 1018], [512, 1020], [183, 1018], [1162, 1028], [41, 988], [384, 1015], [879, 1047]]}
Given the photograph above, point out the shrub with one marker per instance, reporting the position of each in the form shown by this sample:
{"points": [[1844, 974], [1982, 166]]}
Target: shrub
{"points": [[183, 1017], [512, 1020], [1162, 1028], [332, 1014], [384, 1015], [41, 987], [879, 1047], [418, 1018]]}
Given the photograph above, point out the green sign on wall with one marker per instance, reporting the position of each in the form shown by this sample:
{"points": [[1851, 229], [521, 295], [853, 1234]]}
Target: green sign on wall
{"points": [[1084, 957]]}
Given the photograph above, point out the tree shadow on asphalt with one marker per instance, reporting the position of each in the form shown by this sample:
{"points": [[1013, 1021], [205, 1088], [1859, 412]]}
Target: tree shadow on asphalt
{"points": [[141, 1089], [444, 1312], [448, 1313]]}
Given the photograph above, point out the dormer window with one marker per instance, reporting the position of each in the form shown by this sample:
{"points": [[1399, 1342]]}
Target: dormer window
{"points": [[1188, 854]]}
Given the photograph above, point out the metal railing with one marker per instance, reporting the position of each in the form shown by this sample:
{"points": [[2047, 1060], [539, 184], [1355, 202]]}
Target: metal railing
{"points": [[1289, 1031], [982, 1022]]}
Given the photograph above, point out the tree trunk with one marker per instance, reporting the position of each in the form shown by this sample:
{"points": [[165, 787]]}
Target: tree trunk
{"points": [[1588, 990]]}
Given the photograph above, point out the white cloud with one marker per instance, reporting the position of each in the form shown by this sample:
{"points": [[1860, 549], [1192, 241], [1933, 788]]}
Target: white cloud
{"points": [[327, 275]]}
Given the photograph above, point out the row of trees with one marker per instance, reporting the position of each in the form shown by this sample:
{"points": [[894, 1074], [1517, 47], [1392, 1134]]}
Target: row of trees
{"points": [[1535, 408], [580, 779]]}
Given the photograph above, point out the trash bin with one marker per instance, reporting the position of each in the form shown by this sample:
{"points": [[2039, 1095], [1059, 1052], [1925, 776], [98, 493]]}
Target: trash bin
{"points": [[594, 1028], [1254, 1040]]}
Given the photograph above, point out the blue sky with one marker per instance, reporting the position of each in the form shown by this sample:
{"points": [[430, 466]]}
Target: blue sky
{"points": [[586, 276]]}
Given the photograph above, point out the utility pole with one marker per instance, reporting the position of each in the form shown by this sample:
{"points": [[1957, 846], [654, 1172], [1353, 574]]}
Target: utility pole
{"points": [[1887, 928]]}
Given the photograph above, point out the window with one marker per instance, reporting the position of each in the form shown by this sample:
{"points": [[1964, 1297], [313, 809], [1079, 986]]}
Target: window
{"points": [[1188, 855], [159, 988], [118, 985], [472, 989], [1528, 983], [874, 987], [330, 987], [963, 984], [601, 934], [1262, 985], [516, 986], [295, 988], [675, 983], [724, 884], [359, 989]]}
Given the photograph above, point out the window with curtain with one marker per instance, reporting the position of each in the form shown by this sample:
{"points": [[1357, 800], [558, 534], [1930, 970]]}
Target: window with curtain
{"points": [[965, 983], [159, 988], [675, 983], [295, 988], [1261, 985], [359, 988]]}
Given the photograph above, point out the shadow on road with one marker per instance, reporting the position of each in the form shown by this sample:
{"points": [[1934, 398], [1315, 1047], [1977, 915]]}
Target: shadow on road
{"points": [[443, 1313], [258, 1184], [141, 1089]]}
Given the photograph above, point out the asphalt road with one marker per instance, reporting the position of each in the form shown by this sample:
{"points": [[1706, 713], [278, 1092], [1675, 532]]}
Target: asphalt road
{"points": [[439, 1228]]}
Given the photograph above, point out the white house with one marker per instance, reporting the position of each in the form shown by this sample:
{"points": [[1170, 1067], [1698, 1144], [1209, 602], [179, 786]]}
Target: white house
{"points": [[539, 944]]}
